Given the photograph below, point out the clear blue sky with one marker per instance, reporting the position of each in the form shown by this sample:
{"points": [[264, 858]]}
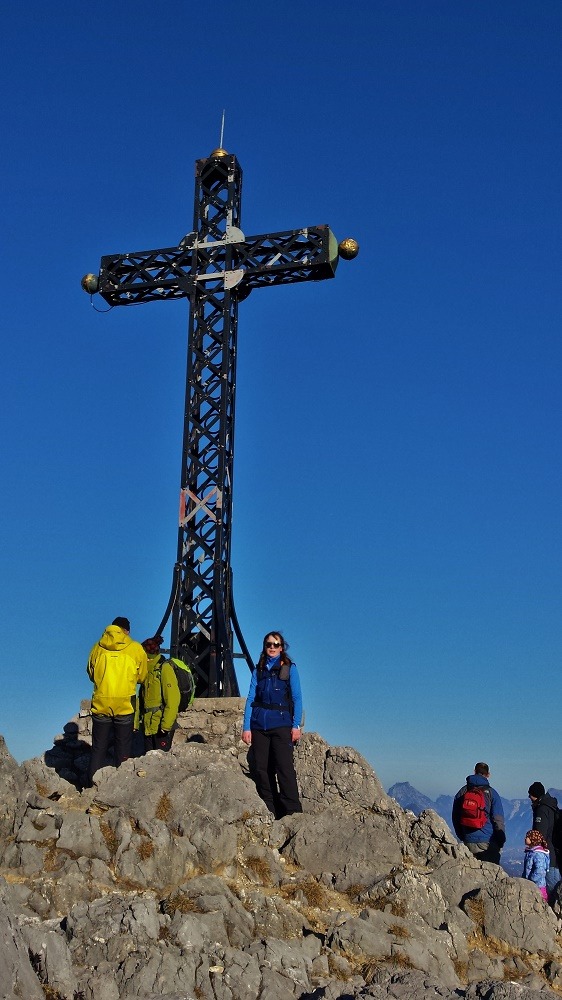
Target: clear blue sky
{"points": [[398, 483]]}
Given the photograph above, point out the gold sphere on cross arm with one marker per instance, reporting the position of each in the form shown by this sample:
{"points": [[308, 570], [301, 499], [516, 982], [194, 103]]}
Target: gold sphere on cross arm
{"points": [[218, 154], [348, 248], [90, 283]]}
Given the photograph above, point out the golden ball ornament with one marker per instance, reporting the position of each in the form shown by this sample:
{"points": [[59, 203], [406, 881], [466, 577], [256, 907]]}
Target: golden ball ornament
{"points": [[348, 248], [90, 283]]}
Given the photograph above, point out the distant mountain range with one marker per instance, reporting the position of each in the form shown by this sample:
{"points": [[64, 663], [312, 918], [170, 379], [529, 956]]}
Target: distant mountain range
{"points": [[517, 812]]}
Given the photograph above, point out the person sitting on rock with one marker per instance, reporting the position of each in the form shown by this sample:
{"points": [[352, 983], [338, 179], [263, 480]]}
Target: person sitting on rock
{"points": [[272, 719], [160, 698], [536, 860], [545, 813], [478, 817]]}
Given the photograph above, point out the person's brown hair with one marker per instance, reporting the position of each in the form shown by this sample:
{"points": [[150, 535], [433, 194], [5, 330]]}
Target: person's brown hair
{"points": [[482, 769], [283, 654]]}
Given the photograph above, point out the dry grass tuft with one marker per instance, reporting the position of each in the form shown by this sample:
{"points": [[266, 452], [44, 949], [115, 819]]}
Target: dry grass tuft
{"points": [[354, 891], [50, 993], [53, 860], [397, 907], [515, 971], [128, 884], [367, 971], [145, 849], [474, 906], [491, 945], [315, 894], [96, 809], [461, 969], [164, 808], [398, 931], [181, 903], [398, 958], [108, 835], [260, 867]]}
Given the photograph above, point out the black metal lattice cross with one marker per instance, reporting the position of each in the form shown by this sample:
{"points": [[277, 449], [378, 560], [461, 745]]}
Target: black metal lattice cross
{"points": [[215, 266]]}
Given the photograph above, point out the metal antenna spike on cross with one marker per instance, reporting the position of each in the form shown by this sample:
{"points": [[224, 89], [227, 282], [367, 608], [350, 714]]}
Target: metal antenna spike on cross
{"points": [[215, 267]]}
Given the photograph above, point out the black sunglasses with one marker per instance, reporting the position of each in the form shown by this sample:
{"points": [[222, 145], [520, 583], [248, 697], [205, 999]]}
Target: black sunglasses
{"points": [[274, 644]]}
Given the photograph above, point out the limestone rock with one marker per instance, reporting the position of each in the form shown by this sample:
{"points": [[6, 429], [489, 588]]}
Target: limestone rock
{"points": [[12, 785], [17, 977], [170, 880], [322, 842], [384, 936], [335, 776], [512, 910], [490, 990], [51, 957]]}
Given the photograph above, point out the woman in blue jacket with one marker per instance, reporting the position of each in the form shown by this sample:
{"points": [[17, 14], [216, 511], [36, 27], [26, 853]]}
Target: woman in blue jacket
{"points": [[272, 726]]}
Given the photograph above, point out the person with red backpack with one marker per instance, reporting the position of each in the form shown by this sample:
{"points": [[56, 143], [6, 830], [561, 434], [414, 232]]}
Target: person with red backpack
{"points": [[478, 816]]}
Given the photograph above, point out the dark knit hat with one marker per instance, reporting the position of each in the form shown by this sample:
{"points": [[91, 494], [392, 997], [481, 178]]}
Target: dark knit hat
{"points": [[123, 623], [537, 790]]}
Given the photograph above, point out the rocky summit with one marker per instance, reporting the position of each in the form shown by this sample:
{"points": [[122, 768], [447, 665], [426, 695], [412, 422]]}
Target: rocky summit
{"points": [[169, 879]]}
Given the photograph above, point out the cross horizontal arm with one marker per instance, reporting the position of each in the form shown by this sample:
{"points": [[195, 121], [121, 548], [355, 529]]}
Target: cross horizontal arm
{"points": [[282, 258], [175, 272]]}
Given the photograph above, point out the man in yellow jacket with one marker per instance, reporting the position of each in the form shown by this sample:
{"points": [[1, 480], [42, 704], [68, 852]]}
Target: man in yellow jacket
{"points": [[116, 665]]}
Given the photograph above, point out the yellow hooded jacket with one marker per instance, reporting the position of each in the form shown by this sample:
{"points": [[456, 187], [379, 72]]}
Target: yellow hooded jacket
{"points": [[116, 665]]}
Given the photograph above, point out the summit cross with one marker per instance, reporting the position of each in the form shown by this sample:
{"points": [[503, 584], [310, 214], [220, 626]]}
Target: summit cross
{"points": [[215, 267]]}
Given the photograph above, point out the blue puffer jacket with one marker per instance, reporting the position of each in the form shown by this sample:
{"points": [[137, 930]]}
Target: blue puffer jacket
{"points": [[535, 865], [273, 702], [494, 827]]}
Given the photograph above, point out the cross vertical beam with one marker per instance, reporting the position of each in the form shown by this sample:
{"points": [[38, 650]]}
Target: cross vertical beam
{"points": [[201, 621], [215, 266]]}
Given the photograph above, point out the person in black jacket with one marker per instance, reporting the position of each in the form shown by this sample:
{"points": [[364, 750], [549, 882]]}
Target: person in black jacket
{"points": [[545, 810]]}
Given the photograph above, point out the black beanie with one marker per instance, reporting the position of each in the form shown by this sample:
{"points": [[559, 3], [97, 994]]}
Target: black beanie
{"points": [[123, 623], [537, 790]]}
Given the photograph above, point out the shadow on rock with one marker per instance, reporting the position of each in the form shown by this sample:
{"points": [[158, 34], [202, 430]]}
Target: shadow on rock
{"points": [[69, 756]]}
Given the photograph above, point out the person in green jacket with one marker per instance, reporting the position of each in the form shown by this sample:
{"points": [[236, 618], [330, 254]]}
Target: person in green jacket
{"points": [[160, 698]]}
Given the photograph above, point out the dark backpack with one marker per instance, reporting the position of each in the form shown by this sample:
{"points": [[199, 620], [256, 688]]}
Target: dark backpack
{"points": [[186, 683], [185, 679], [557, 837], [473, 808]]}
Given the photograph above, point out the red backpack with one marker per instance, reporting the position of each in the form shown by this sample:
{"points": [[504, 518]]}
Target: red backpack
{"points": [[472, 812]]}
